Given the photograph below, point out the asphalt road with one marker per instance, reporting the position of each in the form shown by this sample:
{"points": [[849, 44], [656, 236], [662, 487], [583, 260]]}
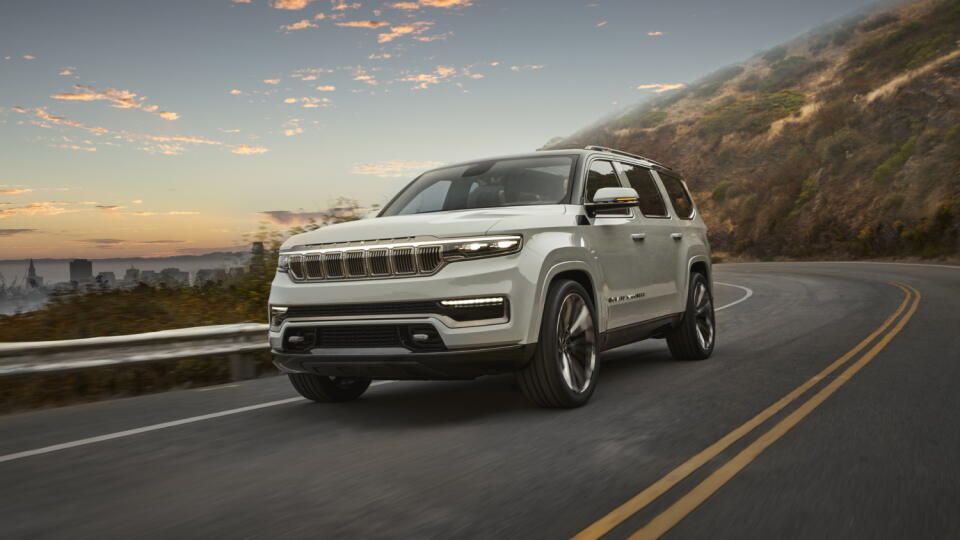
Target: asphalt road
{"points": [[854, 378]]}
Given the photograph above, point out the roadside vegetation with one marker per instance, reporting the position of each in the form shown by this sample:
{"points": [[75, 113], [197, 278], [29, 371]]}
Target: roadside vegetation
{"points": [[792, 154]]}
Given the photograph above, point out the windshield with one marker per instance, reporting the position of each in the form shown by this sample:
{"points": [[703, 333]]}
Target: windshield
{"points": [[488, 184]]}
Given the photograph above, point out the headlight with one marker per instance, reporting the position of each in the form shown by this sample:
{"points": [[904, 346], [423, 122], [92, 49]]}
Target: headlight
{"points": [[283, 263], [475, 248]]}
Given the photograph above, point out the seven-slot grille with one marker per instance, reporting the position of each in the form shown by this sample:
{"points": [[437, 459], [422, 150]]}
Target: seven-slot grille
{"points": [[360, 263]]}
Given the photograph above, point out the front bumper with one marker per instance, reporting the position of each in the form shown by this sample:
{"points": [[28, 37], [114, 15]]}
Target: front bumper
{"points": [[399, 363]]}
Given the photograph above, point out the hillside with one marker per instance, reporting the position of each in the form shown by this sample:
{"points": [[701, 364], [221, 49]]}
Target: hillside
{"points": [[844, 142]]}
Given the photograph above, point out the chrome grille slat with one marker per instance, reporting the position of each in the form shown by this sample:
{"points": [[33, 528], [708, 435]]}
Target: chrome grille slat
{"points": [[428, 258], [403, 261], [354, 263], [333, 264], [313, 266], [379, 262]]}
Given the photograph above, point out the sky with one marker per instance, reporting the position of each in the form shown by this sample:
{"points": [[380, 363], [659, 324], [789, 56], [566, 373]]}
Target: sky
{"points": [[149, 128]]}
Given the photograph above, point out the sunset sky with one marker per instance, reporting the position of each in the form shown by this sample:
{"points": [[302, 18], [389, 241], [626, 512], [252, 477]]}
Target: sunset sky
{"points": [[156, 128]]}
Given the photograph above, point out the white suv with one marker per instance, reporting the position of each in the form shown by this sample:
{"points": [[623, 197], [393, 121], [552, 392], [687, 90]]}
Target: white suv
{"points": [[533, 264]]}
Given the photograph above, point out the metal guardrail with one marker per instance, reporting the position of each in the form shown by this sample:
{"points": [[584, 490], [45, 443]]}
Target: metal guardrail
{"points": [[50, 356]]}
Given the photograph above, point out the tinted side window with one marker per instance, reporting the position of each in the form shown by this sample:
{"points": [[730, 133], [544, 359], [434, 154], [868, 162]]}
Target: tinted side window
{"points": [[601, 175], [682, 204], [651, 203]]}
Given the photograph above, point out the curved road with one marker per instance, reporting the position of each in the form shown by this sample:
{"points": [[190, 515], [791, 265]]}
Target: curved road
{"points": [[830, 409]]}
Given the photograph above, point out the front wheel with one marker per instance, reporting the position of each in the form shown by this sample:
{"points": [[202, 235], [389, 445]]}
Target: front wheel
{"points": [[696, 335], [327, 389], [563, 371]]}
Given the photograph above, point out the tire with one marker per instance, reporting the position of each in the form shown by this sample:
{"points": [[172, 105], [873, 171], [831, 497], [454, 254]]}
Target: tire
{"points": [[696, 336], [328, 389], [563, 371]]}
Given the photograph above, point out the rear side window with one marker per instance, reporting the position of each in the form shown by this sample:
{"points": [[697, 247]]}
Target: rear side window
{"points": [[602, 175], [679, 197], [651, 203]]}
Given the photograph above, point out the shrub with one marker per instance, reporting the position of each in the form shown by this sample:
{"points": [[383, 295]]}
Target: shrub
{"points": [[878, 21], [709, 85], [751, 115], [895, 162], [808, 190], [788, 72], [719, 192], [775, 54]]}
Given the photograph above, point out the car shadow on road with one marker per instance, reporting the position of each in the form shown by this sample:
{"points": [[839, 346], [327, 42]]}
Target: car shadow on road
{"points": [[411, 404]]}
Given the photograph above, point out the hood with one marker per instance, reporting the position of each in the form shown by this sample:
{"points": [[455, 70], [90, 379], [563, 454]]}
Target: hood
{"points": [[440, 224]]}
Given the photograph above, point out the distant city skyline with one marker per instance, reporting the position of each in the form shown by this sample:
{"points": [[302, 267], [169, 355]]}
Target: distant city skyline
{"points": [[137, 128]]}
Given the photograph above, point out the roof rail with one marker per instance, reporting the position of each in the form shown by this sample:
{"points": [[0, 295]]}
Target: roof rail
{"points": [[628, 154]]}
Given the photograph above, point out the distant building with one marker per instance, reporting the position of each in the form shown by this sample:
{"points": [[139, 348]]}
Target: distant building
{"points": [[207, 275], [257, 254], [132, 275], [81, 271], [33, 280], [149, 277], [106, 280], [174, 276]]}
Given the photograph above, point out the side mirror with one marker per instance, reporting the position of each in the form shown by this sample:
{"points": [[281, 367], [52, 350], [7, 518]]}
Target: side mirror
{"points": [[612, 198]]}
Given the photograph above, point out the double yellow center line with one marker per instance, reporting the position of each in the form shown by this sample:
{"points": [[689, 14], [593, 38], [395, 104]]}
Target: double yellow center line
{"points": [[696, 496]]}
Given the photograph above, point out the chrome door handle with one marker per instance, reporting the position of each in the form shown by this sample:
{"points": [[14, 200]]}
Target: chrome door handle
{"points": [[676, 235], [638, 237]]}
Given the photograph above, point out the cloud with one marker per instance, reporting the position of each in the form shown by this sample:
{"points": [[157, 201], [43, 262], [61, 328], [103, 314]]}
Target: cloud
{"points": [[137, 201], [45, 208], [235, 92], [29, 57], [660, 87], [19, 191], [245, 149], [271, 81], [299, 25], [363, 24], [170, 213], [601, 24], [521, 68], [286, 217], [341, 5], [434, 37], [327, 88], [413, 28], [424, 80], [79, 148], [11, 232], [289, 4], [383, 56], [162, 144], [408, 6], [394, 168], [121, 99], [654, 33], [103, 242], [292, 127], [67, 71], [163, 242], [109, 209], [309, 102], [242, 1], [320, 16]]}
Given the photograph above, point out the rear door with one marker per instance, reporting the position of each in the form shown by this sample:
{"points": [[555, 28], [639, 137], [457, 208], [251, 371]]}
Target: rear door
{"points": [[656, 249], [683, 230]]}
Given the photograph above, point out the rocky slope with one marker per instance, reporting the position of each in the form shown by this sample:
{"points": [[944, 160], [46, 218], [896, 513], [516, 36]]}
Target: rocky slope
{"points": [[842, 143]]}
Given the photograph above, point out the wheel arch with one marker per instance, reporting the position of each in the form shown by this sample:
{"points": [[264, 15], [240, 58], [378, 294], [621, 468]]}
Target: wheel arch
{"points": [[697, 264], [578, 271]]}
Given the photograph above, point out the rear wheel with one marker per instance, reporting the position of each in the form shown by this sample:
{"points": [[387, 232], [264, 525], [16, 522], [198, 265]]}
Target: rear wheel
{"points": [[563, 371], [326, 389], [696, 335]]}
